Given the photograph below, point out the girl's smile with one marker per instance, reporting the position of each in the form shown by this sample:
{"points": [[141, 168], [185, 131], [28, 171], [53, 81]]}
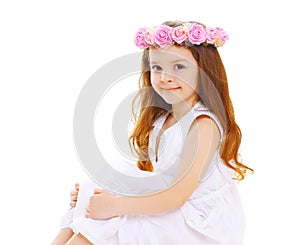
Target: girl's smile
{"points": [[170, 89]]}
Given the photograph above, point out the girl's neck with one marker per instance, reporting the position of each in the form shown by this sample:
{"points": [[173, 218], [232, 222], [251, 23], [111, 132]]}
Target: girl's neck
{"points": [[180, 109]]}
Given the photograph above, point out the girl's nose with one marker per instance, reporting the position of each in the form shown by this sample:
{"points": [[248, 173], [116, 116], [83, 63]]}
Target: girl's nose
{"points": [[166, 77]]}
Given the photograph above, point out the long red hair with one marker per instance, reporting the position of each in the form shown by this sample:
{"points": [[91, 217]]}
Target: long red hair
{"points": [[213, 93]]}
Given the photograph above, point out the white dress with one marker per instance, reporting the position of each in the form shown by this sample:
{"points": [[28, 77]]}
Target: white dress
{"points": [[212, 215]]}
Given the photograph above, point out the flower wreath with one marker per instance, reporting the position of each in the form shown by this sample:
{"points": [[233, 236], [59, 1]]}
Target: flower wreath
{"points": [[186, 34]]}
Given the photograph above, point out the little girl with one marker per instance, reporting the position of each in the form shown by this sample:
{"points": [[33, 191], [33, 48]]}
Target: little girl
{"points": [[192, 133]]}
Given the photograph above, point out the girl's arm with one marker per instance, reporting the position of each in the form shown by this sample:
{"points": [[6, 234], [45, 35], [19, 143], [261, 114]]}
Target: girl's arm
{"points": [[201, 143], [74, 195]]}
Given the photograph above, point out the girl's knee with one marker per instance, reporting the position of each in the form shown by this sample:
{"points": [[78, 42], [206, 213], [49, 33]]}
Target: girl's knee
{"points": [[63, 236]]}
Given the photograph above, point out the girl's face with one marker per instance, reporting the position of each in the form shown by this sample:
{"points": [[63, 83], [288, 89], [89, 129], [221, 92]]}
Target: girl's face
{"points": [[174, 74]]}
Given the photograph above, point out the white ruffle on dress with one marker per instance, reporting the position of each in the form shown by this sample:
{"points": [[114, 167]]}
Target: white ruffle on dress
{"points": [[212, 215]]}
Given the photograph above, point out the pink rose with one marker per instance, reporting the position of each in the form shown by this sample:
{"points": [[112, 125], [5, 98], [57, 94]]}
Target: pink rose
{"points": [[222, 37], [149, 38], [211, 35], [162, 36], [140, 38], [179, 34], [196, 34], [222, 34]]}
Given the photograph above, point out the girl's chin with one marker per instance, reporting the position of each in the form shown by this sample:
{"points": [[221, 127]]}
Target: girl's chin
{"points": [[172, 101]]}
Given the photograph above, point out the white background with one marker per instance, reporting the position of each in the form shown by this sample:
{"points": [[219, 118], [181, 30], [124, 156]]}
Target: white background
{"points": [[48, 50]]}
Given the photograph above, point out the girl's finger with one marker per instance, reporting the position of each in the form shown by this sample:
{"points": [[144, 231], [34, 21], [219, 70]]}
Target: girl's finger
{"points": [[88, 214], [74, 192], [74, 198], [98, 191], [73, 204]]}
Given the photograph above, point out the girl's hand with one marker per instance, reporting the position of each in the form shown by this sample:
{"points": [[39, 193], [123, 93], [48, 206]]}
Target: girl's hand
{"points": [[102, 205], [74, 195]]}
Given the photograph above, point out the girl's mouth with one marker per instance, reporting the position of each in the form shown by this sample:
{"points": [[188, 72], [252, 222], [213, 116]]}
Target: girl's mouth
{"points": [[171, 89]]}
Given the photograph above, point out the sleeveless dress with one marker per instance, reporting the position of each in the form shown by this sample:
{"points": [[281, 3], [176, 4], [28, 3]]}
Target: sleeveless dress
{"points": [[213, 214]]}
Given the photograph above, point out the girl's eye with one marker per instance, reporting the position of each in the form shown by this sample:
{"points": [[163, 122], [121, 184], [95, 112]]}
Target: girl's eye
{"points": [[178, 67], [156, 68]]}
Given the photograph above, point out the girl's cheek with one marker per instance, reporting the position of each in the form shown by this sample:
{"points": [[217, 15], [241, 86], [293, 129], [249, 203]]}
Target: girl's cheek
{"points": [[155, 78]]}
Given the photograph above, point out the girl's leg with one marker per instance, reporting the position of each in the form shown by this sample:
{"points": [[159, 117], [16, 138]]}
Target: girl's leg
{"points": [[63, 236], [79, 240]]}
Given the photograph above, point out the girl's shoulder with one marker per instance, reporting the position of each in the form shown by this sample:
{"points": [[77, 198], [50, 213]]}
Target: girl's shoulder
{"points": [[199, 109]]}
